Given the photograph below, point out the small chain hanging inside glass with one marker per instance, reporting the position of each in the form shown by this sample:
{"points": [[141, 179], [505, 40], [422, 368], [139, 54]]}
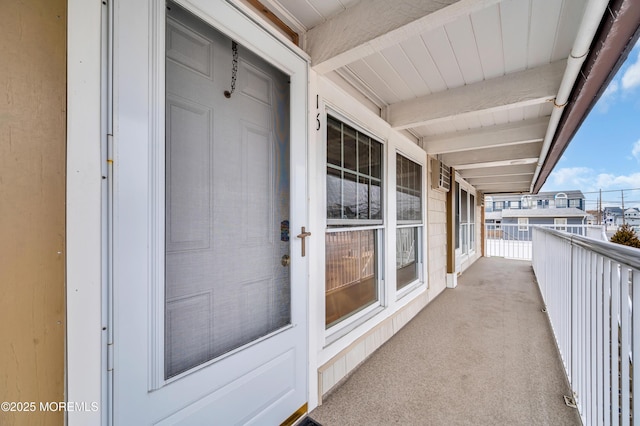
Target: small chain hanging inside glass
{"points": [[234, 70]]}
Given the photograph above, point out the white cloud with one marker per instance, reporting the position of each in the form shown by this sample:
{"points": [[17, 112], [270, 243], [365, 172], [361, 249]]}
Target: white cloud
{"points": [[587, 180], [568, 175], [610, 181], [631, 77], [636, 150]]}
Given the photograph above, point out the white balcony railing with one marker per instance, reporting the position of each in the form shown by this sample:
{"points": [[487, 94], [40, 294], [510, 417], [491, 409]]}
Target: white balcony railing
{"points": [[589, 288], [513, 241]]}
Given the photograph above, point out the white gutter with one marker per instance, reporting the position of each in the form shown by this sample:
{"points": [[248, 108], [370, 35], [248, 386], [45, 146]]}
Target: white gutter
{"points": [[591, 19]]}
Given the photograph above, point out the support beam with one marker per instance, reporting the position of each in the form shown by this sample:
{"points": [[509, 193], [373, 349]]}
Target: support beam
{"points": [[504, 187], [499, 171], [451, 226], [372, 25], [520, 89], [509, 155], [488, 137], [491, 180]]}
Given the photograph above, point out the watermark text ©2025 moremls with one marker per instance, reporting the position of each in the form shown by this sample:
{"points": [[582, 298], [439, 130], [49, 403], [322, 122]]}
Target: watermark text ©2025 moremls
{"points": [[32, 406]]}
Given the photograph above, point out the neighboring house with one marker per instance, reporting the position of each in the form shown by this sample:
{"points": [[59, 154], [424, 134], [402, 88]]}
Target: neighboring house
{"points": [[612, 215], [631, 217], [215, 214], [520, 221], [542, 200], [594, 217], [557, 209]]}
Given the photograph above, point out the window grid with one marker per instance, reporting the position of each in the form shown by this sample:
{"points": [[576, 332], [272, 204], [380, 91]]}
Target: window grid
{"points": [[408, 190], [523, 224], [359, 174]]}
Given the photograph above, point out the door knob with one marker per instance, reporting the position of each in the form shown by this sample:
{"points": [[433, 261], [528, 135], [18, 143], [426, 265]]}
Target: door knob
{"points": [[304, 234]]}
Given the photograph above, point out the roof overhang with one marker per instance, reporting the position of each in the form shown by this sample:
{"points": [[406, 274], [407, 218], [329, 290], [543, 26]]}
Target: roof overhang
{"points": [[615, 38]]}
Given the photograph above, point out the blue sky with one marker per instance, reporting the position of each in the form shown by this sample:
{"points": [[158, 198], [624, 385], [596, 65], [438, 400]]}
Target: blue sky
{"points": [[605, 152]]}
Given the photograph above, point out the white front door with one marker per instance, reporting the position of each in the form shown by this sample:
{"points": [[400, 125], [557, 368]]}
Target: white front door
{"points": [[209, 282]]}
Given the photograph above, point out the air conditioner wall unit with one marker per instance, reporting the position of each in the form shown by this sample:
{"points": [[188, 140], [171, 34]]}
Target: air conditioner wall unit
{"points": [[440, 175]]}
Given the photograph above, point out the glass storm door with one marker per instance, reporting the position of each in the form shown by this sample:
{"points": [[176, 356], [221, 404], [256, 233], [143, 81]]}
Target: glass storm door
{"points": [[215, 333]]}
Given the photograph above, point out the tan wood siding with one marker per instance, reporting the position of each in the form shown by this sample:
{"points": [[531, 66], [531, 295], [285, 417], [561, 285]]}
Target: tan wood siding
{"points": [[438, 240], [32, 206]]}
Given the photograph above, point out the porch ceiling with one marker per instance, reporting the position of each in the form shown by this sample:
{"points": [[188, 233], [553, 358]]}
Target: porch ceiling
{"points": [[471, 81]]}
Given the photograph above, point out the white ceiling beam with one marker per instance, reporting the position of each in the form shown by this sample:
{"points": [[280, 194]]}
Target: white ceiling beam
{"points": [[497, 163], [499, 171], [505, 156], [520, 89], [488, 137], [372, 25], [526, 178], [504, 188]]}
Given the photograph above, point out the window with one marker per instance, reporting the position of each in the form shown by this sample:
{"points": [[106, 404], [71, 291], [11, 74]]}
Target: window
{"points": [[409, 216], [499, 205], [523, 224], [488, 202], [465, 220], [514, 204], [560, 200], [560, 223], [472, 222], [456, 209], [574, 202], [354, 198]]}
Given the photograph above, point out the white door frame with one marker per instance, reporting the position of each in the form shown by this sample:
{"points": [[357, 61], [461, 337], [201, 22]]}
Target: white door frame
{"points": [[87, 248], [86, 362]]}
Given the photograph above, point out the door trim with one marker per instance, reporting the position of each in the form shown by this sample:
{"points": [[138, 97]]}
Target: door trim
{"points": [[86, 362]]}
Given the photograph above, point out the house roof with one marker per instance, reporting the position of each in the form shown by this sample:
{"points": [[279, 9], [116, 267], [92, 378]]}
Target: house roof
{"points": [[613, 210], [571, 195], [493, 215], [486, 86], [557, 212]]}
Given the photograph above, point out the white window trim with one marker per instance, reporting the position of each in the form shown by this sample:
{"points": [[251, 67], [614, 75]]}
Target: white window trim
{"points": [[560, 223], [345, 326], [523, 224], [418, 282]]}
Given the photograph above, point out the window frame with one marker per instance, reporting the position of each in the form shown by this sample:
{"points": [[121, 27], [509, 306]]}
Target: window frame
{"points": [[417, 224], [348, 322], [488, 203], [465, 228], [560, 223], [523, 222]]}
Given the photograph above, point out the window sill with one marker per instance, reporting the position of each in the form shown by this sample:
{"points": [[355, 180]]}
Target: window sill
{"points": [[346, 326]]}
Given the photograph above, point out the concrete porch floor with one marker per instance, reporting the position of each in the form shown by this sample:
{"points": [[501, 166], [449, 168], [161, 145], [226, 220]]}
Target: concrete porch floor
{"points": [[480, 354]]}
